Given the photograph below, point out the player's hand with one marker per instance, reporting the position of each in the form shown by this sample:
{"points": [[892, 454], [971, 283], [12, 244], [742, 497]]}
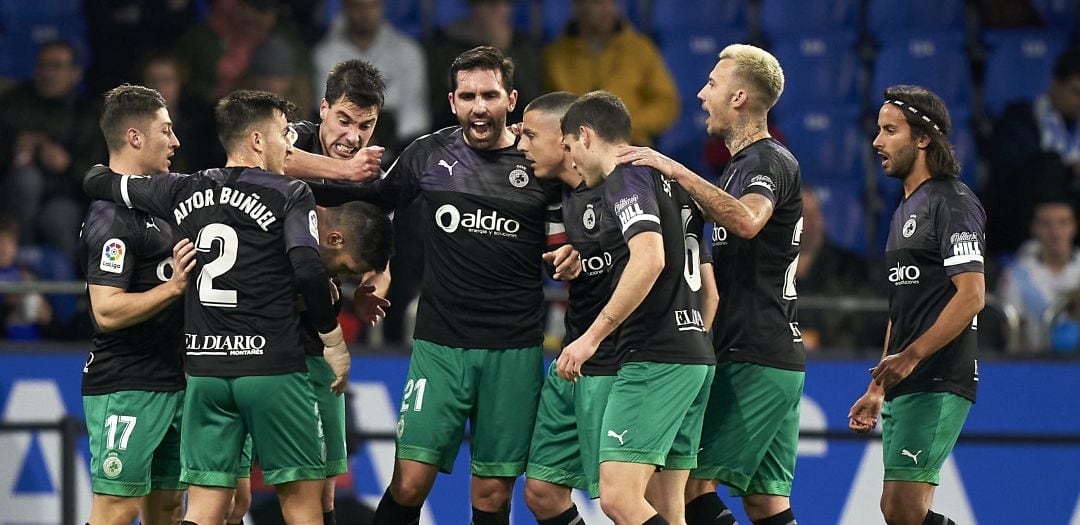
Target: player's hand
{"points": [[335, 292], [365, 165], [368, 307], [337, 356], [566, 261], [894, 368], [572, 357], [863, 416], [183, 256], [642, 156]]}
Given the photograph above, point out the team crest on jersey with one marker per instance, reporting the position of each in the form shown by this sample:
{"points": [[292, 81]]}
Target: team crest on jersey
{"points": [[112, 256], [588, 219], [112, 466], [519, 178], [313, 224], [909, 227]]}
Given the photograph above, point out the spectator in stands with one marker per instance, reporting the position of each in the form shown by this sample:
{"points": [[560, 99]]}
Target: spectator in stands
{"points": [[361, 31], [1035, 156], [22, 315], [192, 120], [218, 52], [827, 270], [600, 50], [47, 140], [489, 23], [1047, 269]]}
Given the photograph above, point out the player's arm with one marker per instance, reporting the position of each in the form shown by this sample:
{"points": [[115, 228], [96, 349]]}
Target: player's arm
{"points": [[743, 217], [710, 296], [154, 195], [966, 303], [643, 268], [863, 416], [116, 308], [364, 166]]}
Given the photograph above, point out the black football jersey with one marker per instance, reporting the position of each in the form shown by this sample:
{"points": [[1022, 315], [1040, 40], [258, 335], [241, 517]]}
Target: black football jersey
{"points": [[131, 250], [756, 321], [240, 310], [935, 233], [668, 326], [583, 209], [489, 220]]}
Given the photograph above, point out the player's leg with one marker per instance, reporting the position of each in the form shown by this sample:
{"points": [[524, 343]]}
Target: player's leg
{"points": [[669, 485], [332, 412], [555, 461], [646, 410], [590, 400], [241, 502], [125, 429], [767, 496], [165, 503], [666, 491], [211, 442], [622, 491], [282, 415], [301, 501], [919, 432], [436, 402], [703, 504], [502, 421]]}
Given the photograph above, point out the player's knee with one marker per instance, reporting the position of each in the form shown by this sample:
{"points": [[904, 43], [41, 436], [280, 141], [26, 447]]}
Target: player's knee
{"points": [[409, 492], [110, 510], [328, 494], [491, 496], [541, 499], [614, 503], [898, 512], [697, 487]]}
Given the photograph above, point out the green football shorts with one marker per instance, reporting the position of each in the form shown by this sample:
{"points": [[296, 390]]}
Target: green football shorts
{"points": [[918, 431], [279, 411], [654, 414], [496, 391], [134, 441], [566, 440], [750, 438], [332, 412]]}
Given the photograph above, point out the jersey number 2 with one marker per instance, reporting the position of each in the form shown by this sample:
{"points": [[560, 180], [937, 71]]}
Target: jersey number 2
{"points": [[224, 236]]}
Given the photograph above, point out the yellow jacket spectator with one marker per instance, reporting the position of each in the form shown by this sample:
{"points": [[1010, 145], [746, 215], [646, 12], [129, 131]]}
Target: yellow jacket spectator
{"points": [[600, 50]]}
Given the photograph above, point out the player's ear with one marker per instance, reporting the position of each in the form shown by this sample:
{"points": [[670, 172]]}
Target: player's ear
{"points": [[513, 97], [334, 239], [923, 141], [255, 139], [453, 107], [324, 109], [133, 137], [585, 135]]}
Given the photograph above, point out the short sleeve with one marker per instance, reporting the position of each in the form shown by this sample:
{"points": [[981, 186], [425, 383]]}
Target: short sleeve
{"points": [[630, 196], [960, 221], [301, 220], [111, 254], [765, 184]]}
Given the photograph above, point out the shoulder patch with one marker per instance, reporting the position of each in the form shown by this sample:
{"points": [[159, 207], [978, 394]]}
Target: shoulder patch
{"points": [[313, 224], [112, 256]]}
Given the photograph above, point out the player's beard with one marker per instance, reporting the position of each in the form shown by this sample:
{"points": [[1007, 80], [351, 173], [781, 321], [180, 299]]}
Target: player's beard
{"points": [[902, 162], [489, 137]]}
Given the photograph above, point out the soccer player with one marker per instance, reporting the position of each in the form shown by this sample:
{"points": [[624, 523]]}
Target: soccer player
{"points": [[656, 404], [254, 231], [133, 381], [924, 385], [355, 91], [751, 431], [477, 349]]}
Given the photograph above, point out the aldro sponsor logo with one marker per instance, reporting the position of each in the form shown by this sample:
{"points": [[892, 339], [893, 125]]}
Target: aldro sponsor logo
{"points": [[719, 235], [450, 218], [596, 265], [901, 275]]}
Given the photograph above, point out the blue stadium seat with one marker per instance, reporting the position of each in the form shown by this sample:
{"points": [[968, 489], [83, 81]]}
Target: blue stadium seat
{"points": [[685, 141], [938, 63], [792, 18], [674, 18], [1059, 15], [691, 57], [50, 264], [844, 210], [1019, 66], [20, 41], [38, 9], [819, 71], [402, 14], [829, 144], [449, 11], [891, 19]]}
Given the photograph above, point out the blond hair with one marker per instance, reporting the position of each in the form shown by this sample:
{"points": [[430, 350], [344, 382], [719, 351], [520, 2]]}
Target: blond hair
{"points": [[759, 69]]}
